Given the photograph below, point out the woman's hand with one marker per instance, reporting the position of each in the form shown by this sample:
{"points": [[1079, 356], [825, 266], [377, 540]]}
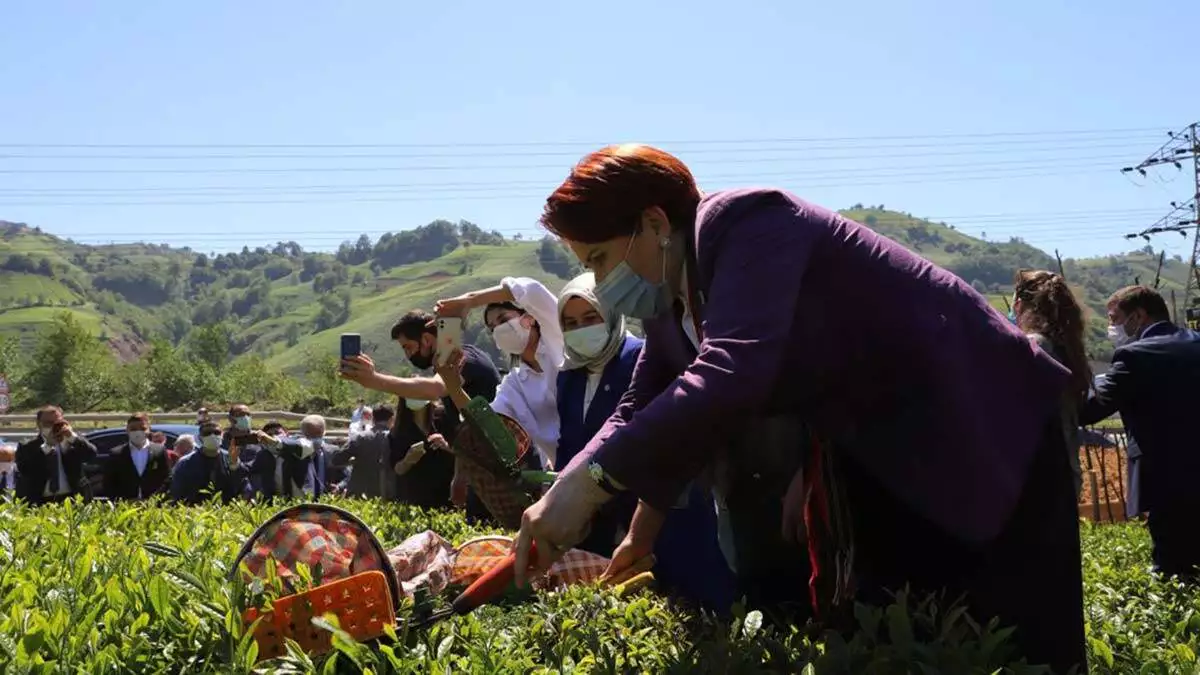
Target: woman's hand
{"points": [[438, 442], [635, 554], [631, 558], [451, 371], [359, 368], [557, 521], [456, 307]]}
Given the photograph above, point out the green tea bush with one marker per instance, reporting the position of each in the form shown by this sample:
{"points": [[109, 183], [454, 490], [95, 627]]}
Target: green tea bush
{"points": [[99, 588]]}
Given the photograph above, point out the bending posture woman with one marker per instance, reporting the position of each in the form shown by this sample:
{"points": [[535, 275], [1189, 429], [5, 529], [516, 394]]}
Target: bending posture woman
{"points": [[522, 316], [1045, 309], [600, 360], [754, 300]]}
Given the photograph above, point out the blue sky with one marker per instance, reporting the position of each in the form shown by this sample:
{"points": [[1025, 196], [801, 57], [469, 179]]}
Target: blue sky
{"points": [[943, 109]]}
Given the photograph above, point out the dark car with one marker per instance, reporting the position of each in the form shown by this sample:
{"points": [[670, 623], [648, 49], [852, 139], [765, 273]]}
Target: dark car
{"points": [[108, 440]]}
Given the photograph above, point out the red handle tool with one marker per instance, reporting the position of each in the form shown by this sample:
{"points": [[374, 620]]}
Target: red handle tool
{"points": [[492, 584]]}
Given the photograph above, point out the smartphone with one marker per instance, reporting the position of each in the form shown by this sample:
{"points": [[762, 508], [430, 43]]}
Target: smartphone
{"points": [[351, 345], [449, 337]]}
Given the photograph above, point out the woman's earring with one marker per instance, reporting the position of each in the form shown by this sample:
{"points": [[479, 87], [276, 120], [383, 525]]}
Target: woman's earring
{"points": [[665, 242]]}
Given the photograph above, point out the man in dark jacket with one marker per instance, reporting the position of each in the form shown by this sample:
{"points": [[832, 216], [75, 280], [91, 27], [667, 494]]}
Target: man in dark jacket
{"points": [[206, 471], [368, 454], [50, 467], [289, 466], [1152, 384], [138, 469], [416, 333]]}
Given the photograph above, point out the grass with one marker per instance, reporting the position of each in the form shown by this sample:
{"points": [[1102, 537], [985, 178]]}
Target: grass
{"points": [[142, 589]]}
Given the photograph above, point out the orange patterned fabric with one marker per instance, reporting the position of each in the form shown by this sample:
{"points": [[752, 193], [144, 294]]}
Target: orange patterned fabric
{"points": [[477, 556], [322, 540]]}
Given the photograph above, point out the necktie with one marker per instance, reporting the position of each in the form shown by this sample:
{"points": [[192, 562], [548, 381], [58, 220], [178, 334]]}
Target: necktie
{"points": [[52, 469]]}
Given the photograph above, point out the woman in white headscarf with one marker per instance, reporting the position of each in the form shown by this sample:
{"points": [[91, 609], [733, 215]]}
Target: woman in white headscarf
{"points": [[601, 355]]}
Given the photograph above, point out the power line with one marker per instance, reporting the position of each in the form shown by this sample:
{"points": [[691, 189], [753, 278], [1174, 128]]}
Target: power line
{"points": [[881, 172], [874, 156], [592, 144], [1075, 144], [1180, 147]]}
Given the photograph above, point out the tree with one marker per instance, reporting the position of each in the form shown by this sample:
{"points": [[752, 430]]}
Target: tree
{"points": [[166, 378], [70, 368], [292, 334], [556, 260], [211, 344], [326, 391], [249, 380], [11, 358]]}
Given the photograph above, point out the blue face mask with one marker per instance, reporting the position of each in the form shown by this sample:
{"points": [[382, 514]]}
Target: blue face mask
{"points": [[1012, 317], [624, 292]]}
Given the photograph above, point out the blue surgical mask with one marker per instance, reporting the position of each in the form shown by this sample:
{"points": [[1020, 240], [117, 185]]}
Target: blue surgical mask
{"points": [[1012, 317], [588, 341], [242, 423], [625, 292]]}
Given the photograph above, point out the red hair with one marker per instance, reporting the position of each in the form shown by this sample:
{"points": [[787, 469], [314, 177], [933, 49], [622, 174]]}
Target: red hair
{"points": [[608, 190]]}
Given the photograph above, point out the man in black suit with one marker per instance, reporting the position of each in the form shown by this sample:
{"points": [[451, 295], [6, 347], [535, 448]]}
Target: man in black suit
{"points": [[138, 469], [1153, 385], [289, 466], [50, 466]]}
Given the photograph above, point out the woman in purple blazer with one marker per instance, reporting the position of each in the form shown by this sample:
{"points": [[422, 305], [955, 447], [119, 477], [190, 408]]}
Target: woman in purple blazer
{"points": [[754, 301]]}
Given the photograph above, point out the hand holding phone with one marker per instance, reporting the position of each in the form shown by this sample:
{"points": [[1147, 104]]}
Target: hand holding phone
{"points": [[449, 337], [351, 345]]}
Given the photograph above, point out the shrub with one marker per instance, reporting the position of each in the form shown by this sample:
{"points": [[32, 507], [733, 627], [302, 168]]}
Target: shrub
{"points": [[142, 588]]}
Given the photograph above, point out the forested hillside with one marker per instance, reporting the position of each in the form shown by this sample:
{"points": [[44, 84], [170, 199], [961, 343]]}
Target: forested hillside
{"points": [[285, 306]]}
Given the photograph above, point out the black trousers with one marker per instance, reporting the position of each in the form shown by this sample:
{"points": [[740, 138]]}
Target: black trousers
{"points": [[1176, 541], [1030, 576]]}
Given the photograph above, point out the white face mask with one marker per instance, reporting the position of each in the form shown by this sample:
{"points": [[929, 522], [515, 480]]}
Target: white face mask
{"points": [[587, 341], [1118, 336], [137, 438], [512, 336], [210, 444], [48, 433], [415, 404]]}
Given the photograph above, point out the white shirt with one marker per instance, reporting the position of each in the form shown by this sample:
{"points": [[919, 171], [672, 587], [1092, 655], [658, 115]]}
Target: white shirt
{"points": [[527, 396], [140, 457], [593, 384], [63, 487]]}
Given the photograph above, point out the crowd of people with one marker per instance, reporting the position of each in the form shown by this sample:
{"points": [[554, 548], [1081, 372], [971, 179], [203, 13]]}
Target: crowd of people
{"points": [[237, 461], [809, 421]]}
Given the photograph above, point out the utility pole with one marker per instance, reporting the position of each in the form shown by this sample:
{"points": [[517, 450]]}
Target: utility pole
{"points": [[1183, 218]]}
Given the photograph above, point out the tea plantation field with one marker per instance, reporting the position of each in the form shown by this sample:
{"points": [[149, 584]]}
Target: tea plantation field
{"points": [[141, 589]]}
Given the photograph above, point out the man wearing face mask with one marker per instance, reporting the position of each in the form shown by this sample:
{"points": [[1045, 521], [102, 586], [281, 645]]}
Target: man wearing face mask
{"points": [[244, 443], [291, 467], [206, 471], [368, 453], [138, 469], [416, 333], [50, 466], [1152, 384]]}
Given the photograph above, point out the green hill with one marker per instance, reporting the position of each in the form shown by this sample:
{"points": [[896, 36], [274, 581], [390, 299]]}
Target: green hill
{"points": [[286, 304]]}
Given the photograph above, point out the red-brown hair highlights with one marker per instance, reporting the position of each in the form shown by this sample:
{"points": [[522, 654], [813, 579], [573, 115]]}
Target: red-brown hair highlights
{"points": [[608, 190]]}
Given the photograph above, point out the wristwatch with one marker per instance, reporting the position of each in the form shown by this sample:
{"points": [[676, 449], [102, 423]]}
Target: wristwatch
{"points": [[597, 473]]}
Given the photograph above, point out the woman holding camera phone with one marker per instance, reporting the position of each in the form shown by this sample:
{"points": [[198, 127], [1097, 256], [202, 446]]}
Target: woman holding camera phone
{"points": [[522, 316]]}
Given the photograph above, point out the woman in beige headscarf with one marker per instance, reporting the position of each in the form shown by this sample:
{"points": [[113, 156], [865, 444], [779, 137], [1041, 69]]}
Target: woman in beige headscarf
{"points": [[601, 355]]}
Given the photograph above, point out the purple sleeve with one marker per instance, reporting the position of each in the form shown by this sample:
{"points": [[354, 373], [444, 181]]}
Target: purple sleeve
{"points": [[759, 263]]}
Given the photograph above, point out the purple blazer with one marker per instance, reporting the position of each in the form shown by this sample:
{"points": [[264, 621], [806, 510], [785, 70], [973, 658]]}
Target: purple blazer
{"points": [[894, 360]]}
